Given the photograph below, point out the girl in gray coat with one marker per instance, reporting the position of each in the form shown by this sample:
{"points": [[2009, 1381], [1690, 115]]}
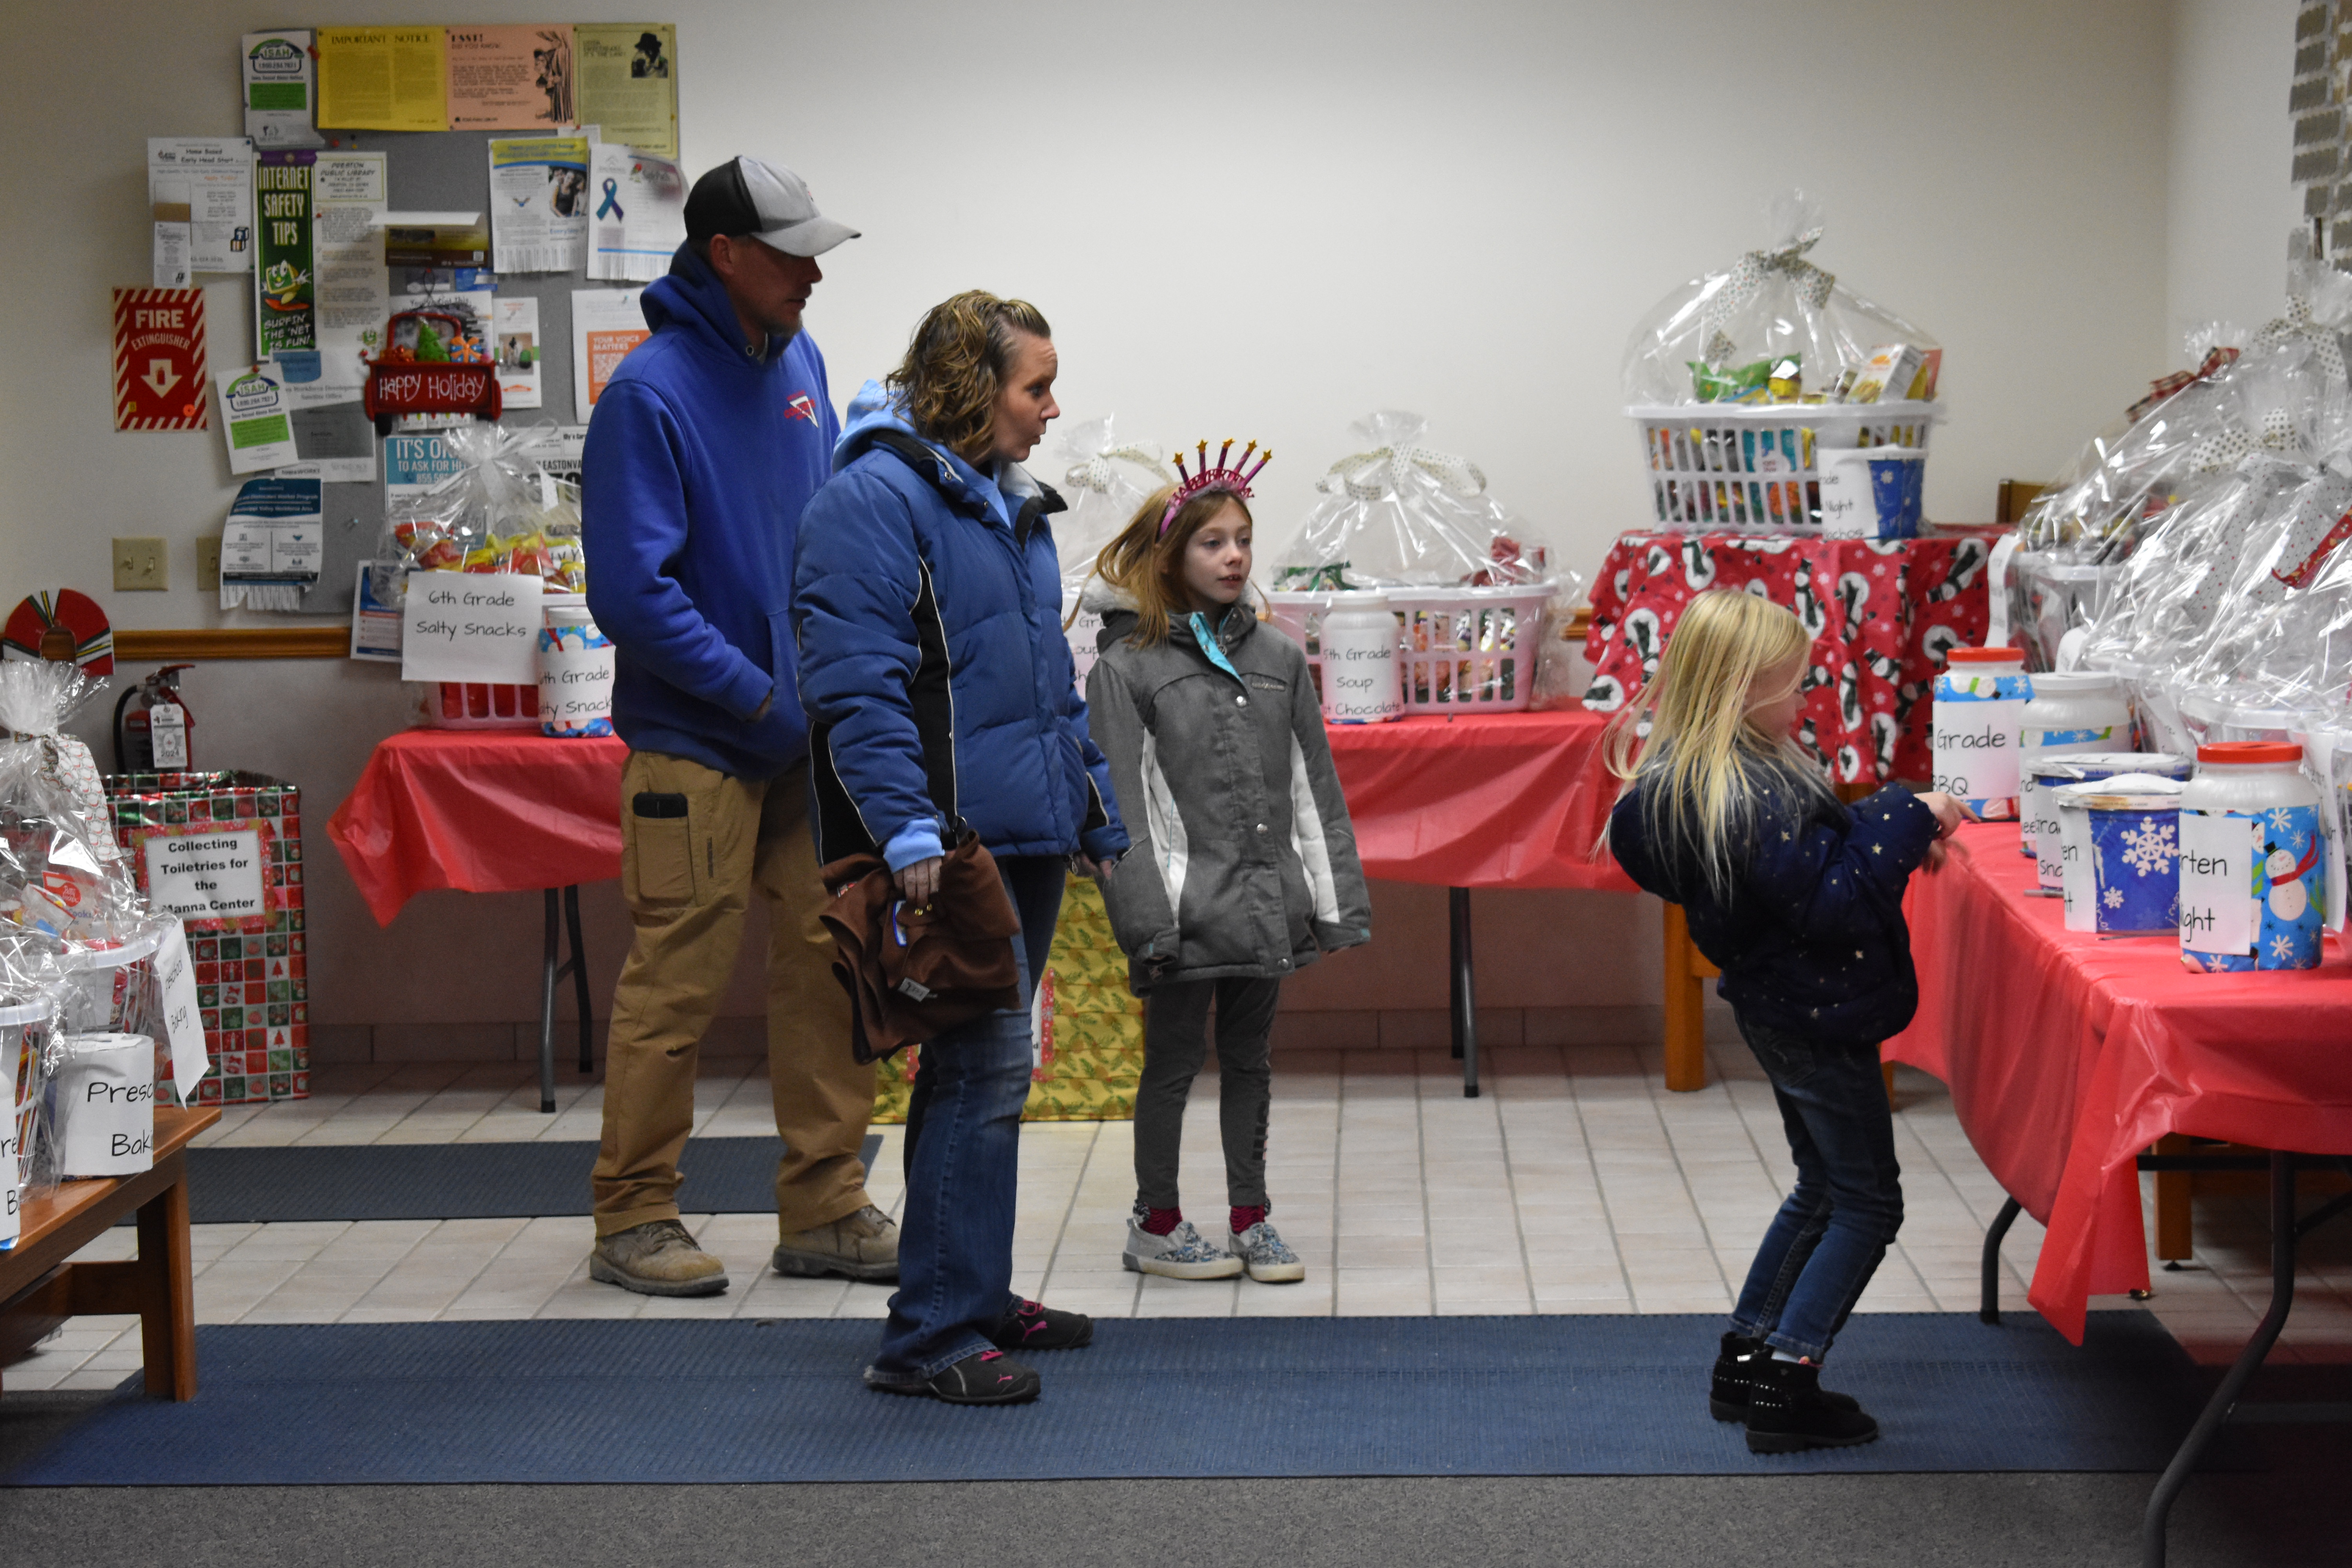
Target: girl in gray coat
{"points": [[1243, 863]]}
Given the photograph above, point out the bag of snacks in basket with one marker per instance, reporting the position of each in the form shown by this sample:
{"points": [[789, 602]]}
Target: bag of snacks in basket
{"points": [[1400, 515], [500, 512], [1773, 326], [1108, 479]]}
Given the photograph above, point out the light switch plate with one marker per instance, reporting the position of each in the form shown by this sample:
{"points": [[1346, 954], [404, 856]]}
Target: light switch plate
{"points": [[208, 564], [139, 565]]}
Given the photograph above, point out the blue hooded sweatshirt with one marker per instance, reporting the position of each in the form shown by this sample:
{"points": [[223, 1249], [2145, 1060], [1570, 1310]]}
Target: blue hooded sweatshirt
{"points": [[700, 455], [933, 663]]}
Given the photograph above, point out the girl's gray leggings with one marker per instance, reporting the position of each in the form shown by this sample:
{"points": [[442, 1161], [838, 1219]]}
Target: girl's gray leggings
{"points": [[1175, 1041]]}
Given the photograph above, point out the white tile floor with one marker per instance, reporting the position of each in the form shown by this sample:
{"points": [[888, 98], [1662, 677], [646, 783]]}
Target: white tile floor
{"points": [[1577, 1183]]}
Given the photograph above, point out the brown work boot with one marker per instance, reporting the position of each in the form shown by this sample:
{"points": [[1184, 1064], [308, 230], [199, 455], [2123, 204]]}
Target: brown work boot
{"points": [[656, 1258], [860, 1246]]}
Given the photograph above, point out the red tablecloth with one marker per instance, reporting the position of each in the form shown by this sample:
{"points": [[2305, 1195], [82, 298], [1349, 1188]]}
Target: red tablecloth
{"points": [[485, 811], [1486, 800], [1881, 614], [2068, 1055], [1479, 801]]}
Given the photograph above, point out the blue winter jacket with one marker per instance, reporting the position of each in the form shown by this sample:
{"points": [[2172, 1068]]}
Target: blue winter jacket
{"points": [[700, 455], [933, 666], [1812, 940]]}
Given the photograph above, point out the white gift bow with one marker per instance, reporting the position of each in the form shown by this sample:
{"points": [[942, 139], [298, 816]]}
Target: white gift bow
{"points": [[1368, 475], [1095, 474], [1746, 280], [2325, 353]]}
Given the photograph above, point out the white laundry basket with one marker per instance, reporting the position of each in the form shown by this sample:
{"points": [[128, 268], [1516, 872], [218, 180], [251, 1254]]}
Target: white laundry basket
{"points": [[1459, 650], [1719, 466]]}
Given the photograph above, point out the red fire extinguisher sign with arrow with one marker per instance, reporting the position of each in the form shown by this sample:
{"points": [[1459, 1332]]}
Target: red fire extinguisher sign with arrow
{"points": [[159, 359]]}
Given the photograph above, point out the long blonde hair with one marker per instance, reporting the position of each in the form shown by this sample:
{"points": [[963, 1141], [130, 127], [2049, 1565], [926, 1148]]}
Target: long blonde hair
{"points": [[1703, 759], [1147, 563]]}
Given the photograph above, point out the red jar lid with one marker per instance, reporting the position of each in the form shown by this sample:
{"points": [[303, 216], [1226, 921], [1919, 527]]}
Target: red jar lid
{"points": [[1984, 656], [2247, 752]]}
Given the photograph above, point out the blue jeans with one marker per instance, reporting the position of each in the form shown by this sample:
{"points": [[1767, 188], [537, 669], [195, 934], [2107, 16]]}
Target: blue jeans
{"points": [[1827, 1240], [963, 1157]]}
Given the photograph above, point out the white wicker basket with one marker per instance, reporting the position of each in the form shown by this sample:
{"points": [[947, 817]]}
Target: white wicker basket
{"points": [[1459, 650], [1754, 466]]}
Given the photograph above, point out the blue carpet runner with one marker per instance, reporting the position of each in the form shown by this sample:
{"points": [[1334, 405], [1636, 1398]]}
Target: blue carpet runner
{"points": [[745, 1401]]}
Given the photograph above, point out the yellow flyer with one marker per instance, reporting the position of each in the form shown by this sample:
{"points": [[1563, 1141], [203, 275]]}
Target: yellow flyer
{"points": [[628, 83], [382, 79], [510, 78]]}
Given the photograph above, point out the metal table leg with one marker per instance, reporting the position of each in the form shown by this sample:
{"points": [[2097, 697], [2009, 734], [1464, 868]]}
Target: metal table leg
{"points": [[1988, 1300], [1464, 994], [550, 973]]}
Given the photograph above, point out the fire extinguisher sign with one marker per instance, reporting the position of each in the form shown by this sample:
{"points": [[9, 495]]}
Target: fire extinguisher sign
{"points": [[159, 359]]}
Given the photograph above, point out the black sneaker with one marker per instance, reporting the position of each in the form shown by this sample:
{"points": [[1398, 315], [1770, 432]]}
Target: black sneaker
{"points": [[1727, 1395], [991, 1378], [1787, 1410], [1035, 1326]]}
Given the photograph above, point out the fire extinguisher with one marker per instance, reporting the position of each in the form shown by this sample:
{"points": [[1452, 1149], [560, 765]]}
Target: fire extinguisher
{"points": [[156, 735]]}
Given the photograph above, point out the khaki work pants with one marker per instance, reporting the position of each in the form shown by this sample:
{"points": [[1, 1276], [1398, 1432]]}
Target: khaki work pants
{"points": [[686, 875]]}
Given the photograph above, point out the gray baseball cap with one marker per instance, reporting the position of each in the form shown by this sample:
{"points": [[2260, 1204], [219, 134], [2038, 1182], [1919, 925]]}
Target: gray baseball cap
{"points": [[768, 203]]}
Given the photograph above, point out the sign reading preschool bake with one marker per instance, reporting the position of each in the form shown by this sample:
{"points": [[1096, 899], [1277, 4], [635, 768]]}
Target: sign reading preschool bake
{"points": [[473, 626], [205, 876]]}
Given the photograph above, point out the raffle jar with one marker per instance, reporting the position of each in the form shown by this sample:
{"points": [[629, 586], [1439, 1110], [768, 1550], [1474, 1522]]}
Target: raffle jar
{"points": [[1980, 711], [575, 671], [2117, 842], [2253, 863], [2084, 711], [103, 1105], [1360, 641], [24, 1030], [2047, 774]]}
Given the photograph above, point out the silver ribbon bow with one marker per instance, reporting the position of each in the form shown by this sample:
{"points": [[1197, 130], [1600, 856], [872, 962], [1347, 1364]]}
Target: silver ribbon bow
{"points": [[2326, 354], [1746, 281], [2234, 444], [1095, 474], [1368, 475]]}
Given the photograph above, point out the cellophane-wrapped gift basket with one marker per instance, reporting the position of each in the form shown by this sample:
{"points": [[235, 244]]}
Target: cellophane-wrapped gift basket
{"points": [[1741, 381], [1472, 593], [1104, 481]]}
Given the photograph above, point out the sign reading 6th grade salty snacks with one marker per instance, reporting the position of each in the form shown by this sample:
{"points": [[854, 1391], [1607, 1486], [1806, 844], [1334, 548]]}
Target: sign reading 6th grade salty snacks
{"points": [[473, 626]]}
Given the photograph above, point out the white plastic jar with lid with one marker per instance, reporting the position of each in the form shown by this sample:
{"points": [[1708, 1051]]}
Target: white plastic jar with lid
{"points": [[2081, 711], [1980, 710], [2253, 861], [1358, 639]]}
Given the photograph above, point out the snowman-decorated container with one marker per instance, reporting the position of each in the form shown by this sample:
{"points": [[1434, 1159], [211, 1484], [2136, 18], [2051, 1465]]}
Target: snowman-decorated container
{"points": [[2253, 865], [1980, 702]]}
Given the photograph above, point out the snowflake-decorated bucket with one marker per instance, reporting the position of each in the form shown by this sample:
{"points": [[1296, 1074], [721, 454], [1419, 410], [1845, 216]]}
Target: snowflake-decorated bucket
{"points": [[2119, 847], [2038, 806]]}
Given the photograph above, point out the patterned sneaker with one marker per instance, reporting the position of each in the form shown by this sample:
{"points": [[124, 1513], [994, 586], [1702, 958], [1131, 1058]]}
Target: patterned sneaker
{"points": [[1181, 1253], [1269, 1262]]}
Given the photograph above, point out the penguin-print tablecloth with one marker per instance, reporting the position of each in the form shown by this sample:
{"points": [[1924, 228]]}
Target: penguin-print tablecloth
{"points": [[1881, 612]]}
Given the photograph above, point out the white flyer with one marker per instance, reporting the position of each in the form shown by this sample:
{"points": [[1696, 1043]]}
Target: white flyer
{"points": [[331, 433], [606, 323], [514, 344], [559, 448], [2218, 913], [475, 626], [539, 204], [254, 419], [281, 88], [206, 183], [375, 626], [183, 1027], [351, 285], [273, 543], [636, 213]]}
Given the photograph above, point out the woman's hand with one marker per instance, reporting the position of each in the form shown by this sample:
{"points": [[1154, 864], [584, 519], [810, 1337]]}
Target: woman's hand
{"points": [[1950, 813], [919, 884], [1086, 865]]}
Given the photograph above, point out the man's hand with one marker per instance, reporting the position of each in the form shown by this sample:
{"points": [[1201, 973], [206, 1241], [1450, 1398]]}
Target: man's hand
{"points": [[919, 884]]}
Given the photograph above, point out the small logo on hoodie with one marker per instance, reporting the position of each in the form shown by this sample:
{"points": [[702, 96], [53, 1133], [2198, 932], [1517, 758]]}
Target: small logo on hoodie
{"points": [[800, 407]]}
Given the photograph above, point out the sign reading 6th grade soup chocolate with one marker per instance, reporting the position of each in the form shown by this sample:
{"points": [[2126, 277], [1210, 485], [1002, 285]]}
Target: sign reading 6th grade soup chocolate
{"points": [[480, 627]]}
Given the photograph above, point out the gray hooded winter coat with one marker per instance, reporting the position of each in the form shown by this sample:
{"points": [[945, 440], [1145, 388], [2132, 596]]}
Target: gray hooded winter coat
{"points": [[1243, 861]]}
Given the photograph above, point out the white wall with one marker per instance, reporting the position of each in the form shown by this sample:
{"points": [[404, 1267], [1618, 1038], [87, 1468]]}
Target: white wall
{"points": [[2229, 203], [1242, 219]]}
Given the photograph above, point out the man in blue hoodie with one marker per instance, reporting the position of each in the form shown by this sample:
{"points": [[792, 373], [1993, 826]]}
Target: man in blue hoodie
{"points": [[704, 448]]}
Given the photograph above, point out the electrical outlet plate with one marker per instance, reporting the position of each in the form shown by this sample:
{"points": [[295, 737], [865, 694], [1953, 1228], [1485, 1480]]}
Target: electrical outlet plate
{"points": [[208, 551], [139, 565]]}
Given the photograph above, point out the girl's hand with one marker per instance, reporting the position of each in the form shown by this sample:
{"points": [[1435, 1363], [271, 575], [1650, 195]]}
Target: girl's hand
{"points": [[1950, 813], [1936, 856]]}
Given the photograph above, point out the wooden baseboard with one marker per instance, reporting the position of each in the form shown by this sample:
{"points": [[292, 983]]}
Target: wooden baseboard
{"points": [[171, 645]]}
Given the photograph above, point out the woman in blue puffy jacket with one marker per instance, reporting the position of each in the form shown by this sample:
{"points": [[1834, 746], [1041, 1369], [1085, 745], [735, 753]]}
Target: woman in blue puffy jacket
{"points": [[927, 606]]}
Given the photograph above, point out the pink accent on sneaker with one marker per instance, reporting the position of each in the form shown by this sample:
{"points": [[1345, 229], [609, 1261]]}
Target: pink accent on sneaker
{"points": [[1033, 1311], [1245, 1217], [1159, 1222]]}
